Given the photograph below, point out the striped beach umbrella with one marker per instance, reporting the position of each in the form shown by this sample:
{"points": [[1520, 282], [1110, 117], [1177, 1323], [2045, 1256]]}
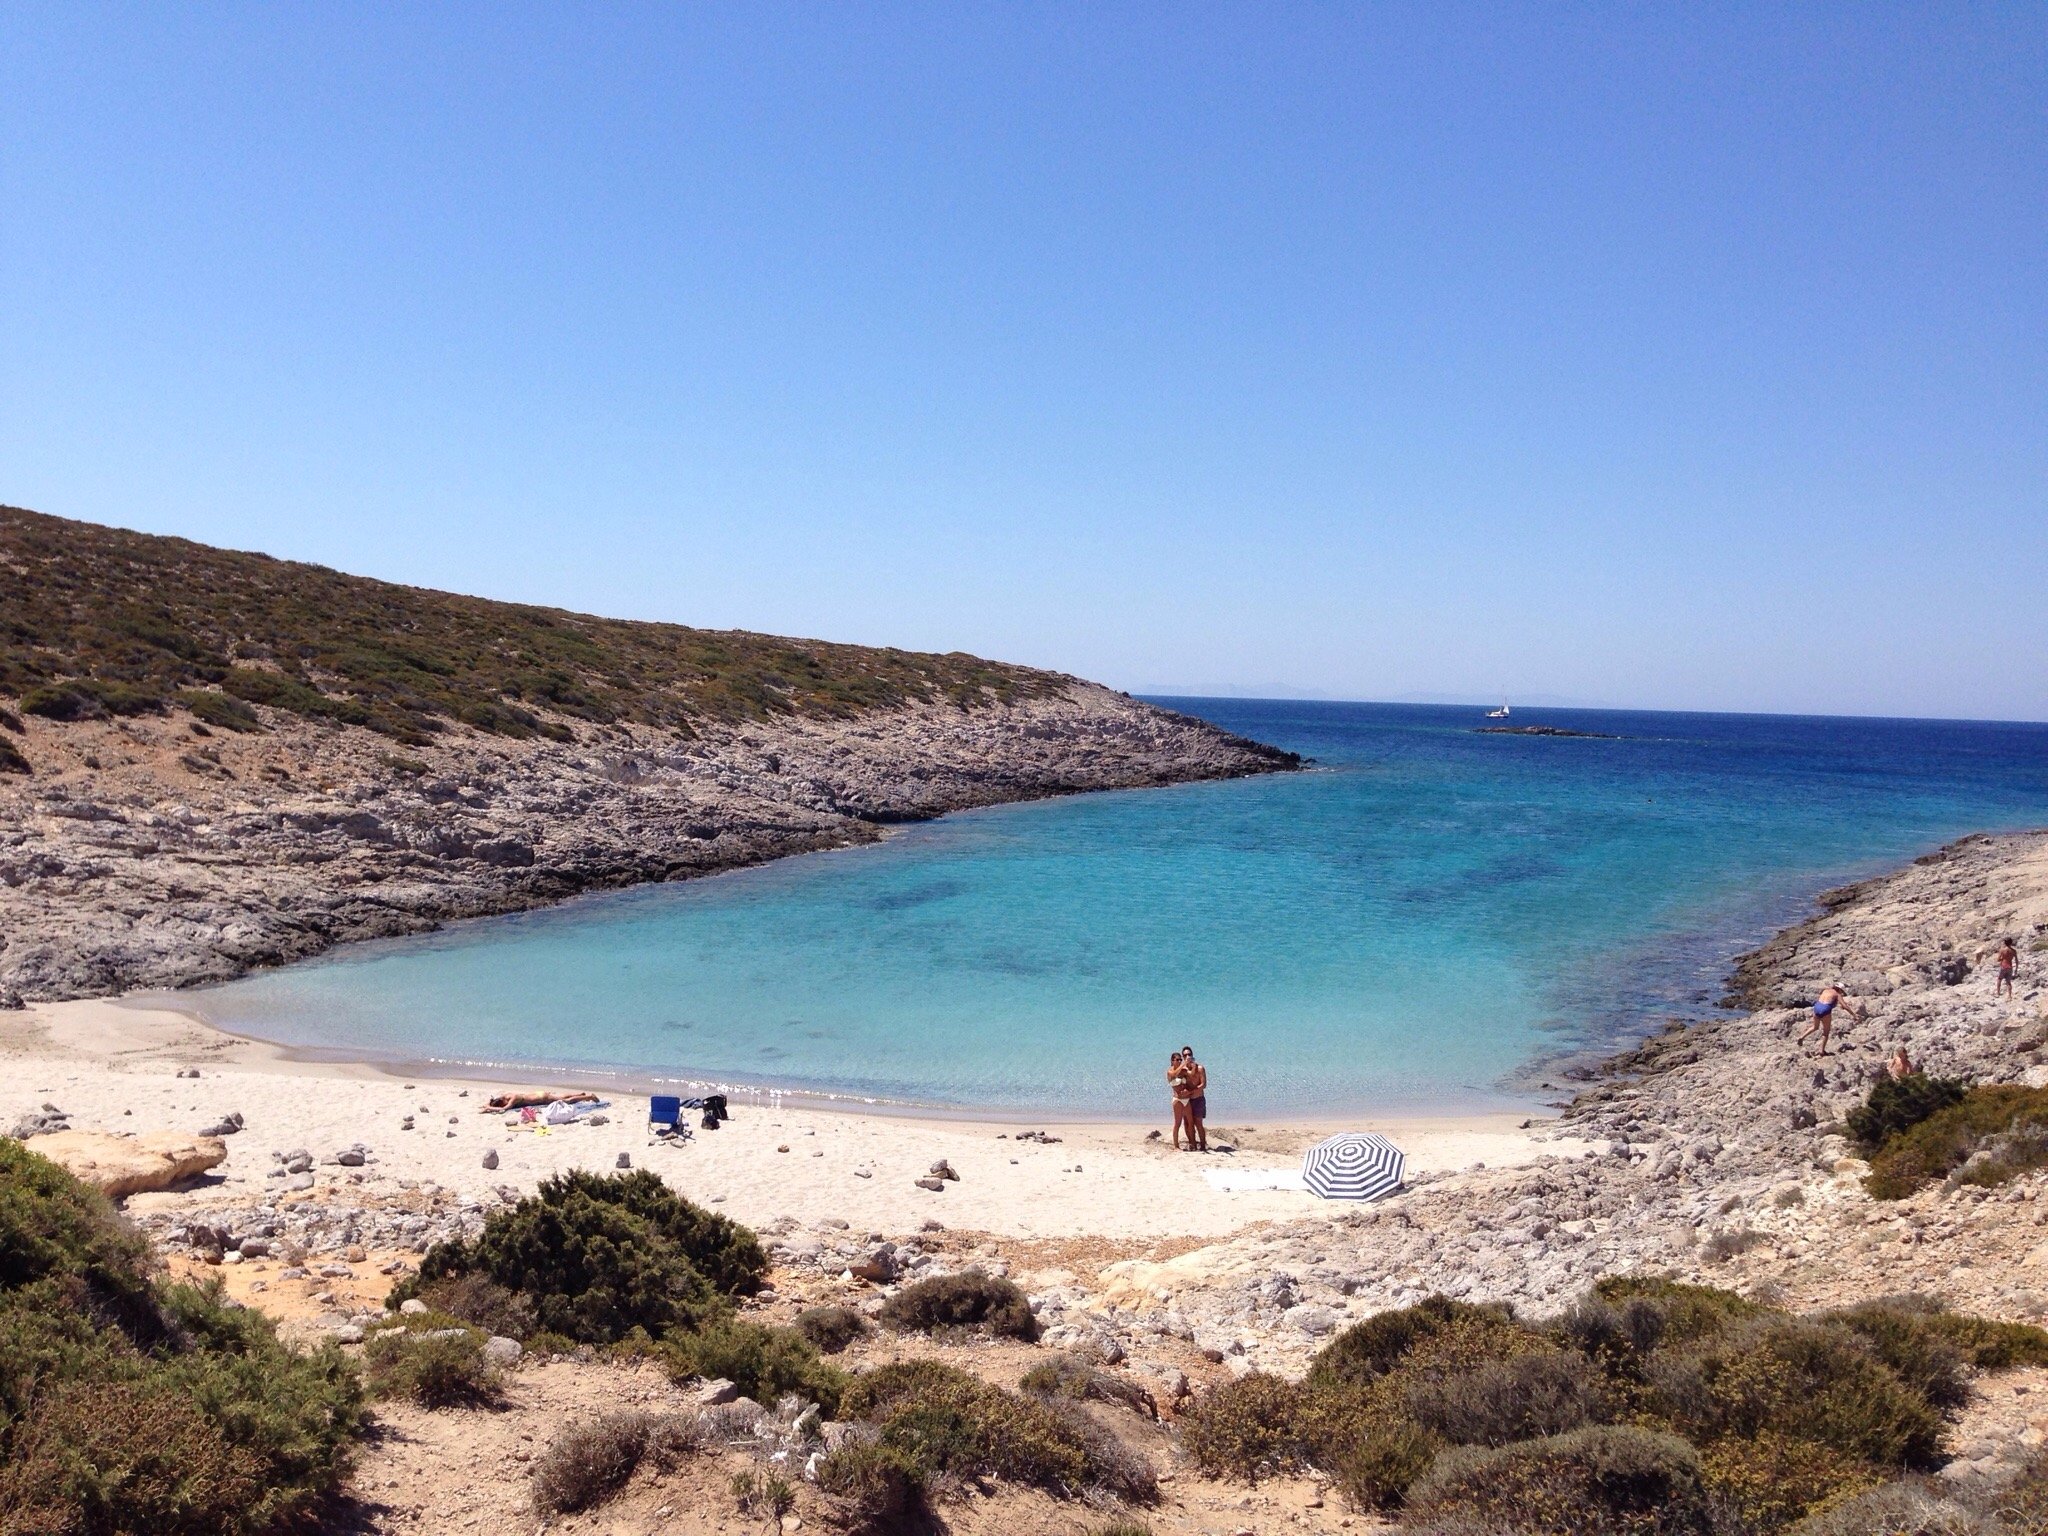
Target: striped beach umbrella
{"points": [[1356, 1165]]}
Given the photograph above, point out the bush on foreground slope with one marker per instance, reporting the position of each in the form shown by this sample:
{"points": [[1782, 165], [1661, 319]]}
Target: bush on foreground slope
{"points": [[128, 1405], [621, 1259], [594, 1256], [1992, 1133], [1652, 1407]]}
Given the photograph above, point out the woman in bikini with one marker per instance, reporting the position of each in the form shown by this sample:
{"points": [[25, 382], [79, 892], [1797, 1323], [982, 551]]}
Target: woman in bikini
{"points": [[1178, 1085], [1197, 1077]]}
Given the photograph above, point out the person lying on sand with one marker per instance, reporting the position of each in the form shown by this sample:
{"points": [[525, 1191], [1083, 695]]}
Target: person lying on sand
{"points": [[535, 1096], [1824, 1015]]}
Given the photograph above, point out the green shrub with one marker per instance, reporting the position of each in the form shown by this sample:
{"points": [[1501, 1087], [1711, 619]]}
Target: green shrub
{"points": [[1063, 1376], [596, 1256], [1366, 1351], [1896, 1105], [130, 1405], [770, 1496], [943, 1420], [589, 1464], [438, 1368], [764, 1363], [127, 1456], [85, 699], [1905, 1337], [1617, 1336], [1376, 1466], [969, 1299], [65, 1241], [11, 760], [2022, 1504], [1807, 1381], [1683, 1311], [219, 709], [830, 1329], [2006, 1122], [1988, 1344], [723, 1251], [1525, 1397], [1609, 1481], [1113, 1467], [1384, 1398], [1248, 1428], [1767, 1481], [474, 1298], [1980, 1342], [876, 1489], [1912, 1507]]}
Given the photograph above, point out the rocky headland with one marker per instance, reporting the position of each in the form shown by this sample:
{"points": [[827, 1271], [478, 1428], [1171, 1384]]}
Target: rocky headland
{"points": [[215, 762]]}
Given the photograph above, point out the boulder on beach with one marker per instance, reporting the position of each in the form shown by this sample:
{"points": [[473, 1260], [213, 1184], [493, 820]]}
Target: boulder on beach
{"points": [[128, 1165]]}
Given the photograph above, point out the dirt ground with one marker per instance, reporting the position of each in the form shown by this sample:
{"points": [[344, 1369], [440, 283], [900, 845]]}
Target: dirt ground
{"points": [[425, 1472], [463, 1470]]}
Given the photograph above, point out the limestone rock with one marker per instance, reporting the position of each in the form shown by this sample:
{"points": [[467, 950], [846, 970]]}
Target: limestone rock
{"points": [[126, 1165], [268, 867]]}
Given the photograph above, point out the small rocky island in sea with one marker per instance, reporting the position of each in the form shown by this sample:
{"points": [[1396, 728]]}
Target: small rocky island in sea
{"points": [[1541, 730]]}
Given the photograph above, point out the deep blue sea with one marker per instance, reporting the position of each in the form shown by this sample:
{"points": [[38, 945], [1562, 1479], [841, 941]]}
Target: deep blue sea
{"points": [[1402, 927]]}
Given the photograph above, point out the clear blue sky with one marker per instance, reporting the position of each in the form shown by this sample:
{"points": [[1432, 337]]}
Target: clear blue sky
{"points": [[1678, 356]]}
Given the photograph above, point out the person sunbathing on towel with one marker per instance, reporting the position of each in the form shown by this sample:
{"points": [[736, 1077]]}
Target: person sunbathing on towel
{"points": [[532, 1096]]}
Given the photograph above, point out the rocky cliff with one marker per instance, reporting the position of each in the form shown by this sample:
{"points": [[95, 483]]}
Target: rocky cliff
{"points": [[204, 784]]}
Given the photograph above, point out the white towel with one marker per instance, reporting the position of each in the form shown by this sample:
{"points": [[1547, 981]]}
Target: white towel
{"points": [[1253, 1178]]}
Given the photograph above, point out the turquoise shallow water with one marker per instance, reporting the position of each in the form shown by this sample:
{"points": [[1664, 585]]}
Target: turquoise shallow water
{"points": [[1399, 928]]}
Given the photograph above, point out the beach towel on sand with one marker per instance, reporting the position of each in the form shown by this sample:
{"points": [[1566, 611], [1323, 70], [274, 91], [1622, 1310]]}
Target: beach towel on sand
{"points": [[1253, 1178]]}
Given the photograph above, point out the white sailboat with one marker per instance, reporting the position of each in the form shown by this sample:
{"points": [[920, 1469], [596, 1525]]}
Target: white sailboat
{"points": [[1499, 714]]}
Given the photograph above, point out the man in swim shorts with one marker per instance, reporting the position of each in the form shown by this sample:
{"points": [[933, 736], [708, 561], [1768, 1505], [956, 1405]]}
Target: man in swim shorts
{"points": [[1198, 1099], [1824, 1007], [2008, 958]]}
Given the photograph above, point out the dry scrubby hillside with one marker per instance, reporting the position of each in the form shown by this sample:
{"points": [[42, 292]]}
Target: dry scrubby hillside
{"points": [[101, 621], [212, 760]]}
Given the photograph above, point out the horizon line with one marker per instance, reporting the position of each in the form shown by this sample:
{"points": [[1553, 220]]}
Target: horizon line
{"points": [[1156, 695]]}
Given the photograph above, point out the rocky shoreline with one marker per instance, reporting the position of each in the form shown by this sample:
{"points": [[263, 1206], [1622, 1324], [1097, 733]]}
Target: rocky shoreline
{"points": [[152, 852], [1718, 1157]]}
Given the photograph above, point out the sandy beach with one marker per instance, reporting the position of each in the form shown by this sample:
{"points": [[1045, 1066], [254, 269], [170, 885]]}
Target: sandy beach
{"points": [[115, 1067]]}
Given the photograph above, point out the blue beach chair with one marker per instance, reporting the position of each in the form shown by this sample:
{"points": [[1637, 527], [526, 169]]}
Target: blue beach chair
{"points": [[665, 1116]]}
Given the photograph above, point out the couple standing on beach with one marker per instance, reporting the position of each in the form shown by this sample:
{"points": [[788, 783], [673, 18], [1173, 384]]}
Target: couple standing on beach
{"points": [[1188, 1081]]}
